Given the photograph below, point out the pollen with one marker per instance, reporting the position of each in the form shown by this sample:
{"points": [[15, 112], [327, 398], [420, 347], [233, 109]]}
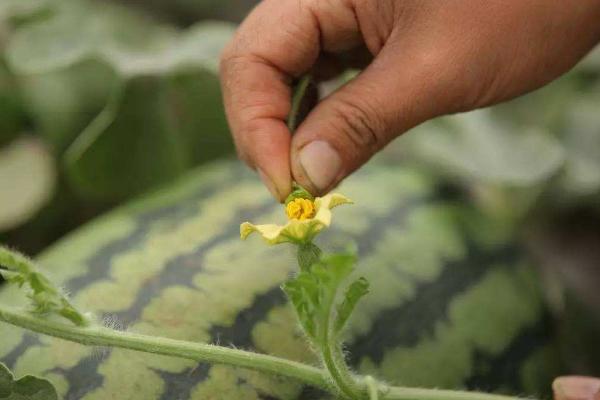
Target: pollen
{"points": [[300, 209]]}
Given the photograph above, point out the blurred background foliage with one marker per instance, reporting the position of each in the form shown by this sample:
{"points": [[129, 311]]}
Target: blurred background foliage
{"points": [[103, 100], [99, 102]]}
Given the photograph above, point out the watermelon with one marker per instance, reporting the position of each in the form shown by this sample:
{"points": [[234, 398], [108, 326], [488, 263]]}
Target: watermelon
{"points": [[455, 303]]}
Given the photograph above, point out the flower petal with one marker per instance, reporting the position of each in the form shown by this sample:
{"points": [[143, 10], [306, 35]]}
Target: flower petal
{"points": [[334, 199], [270, 232], [324, 205]]}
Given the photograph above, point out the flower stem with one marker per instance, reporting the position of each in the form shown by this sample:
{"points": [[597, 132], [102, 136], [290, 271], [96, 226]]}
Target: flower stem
{"points": [[308, 254], [292, 122], [372, 387], [335, 364], [100, 336], [333, 357]]}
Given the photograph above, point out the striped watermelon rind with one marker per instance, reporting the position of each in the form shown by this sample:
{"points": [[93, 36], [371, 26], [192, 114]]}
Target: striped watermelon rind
{"points": [[450, 308]]}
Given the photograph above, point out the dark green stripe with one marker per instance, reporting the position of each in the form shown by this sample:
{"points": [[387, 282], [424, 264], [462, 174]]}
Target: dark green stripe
{"points": [[177, 385], [429, 306], [240, 334], [494, 372], [312, 393], [83, 377], [99, 263], [181, 270], [29, 339]]}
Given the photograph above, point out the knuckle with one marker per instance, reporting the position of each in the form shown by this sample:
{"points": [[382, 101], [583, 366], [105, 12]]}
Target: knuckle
{"points": [[227, 54], [361, 123], [229, 59]]}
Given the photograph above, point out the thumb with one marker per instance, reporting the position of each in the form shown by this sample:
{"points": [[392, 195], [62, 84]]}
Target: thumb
{"points": [[576, 388], [359, 119]]}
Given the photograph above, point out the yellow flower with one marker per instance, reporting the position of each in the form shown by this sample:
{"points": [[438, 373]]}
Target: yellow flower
{"points": [[300, 209], [307, 219]]}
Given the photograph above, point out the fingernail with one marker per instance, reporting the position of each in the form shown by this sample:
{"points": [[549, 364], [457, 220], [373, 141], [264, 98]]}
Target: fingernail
{"points": [[321, 163], [576, 388], [269, 184]]}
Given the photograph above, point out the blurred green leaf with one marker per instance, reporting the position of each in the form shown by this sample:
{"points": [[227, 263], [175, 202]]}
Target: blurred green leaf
{"points": [[10, 9], [129, 43], [476, 146], [129, 147], [153, 129], [27, 179], [582, 145], [154, 111], [542, 109], [26, 388], [80, 30], [592, 61], [12, 115], [62, 103], [199, 46]]}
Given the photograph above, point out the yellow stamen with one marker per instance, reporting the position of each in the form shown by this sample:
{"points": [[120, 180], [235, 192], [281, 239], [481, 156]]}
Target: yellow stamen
{"points": [[300, 209]]}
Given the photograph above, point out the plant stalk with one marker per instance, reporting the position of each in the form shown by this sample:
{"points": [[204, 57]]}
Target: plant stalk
{"points": [[336, 366], [297, 98], [333, 358], [100, 336]]}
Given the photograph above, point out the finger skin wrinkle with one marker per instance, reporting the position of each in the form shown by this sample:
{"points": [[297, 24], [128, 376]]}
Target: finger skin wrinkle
{"points": [[282, 33], [360, 123], [272, 93], [375, 35], [234, 64], [295, 45], [259, 97], [256, 131], [337, 25]]}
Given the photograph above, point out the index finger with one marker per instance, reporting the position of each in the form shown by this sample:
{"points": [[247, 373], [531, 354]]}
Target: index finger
{"points": [[278, 41]]}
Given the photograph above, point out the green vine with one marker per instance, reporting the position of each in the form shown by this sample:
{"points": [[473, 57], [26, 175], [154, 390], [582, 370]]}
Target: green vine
{"points": [[100, 336]]}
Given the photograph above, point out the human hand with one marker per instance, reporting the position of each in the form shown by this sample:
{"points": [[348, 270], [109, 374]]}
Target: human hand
{"points": [[427, 58], [576, 388]]}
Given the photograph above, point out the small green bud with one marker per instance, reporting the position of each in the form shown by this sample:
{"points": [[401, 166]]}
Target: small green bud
{"points": [[298, 192]]}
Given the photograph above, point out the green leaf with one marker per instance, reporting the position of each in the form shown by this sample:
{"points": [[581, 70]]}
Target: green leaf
{"points": [[313, 293], [477, 146], [12, 114], [27, 179], [46, 298], [303, 292], [354, 293], [26, 388], [298, 192], [79, 30], [63, 102], [582, 144], [18, 9], [153, 129], [592, 61], [131, 102], [130, 43]]}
